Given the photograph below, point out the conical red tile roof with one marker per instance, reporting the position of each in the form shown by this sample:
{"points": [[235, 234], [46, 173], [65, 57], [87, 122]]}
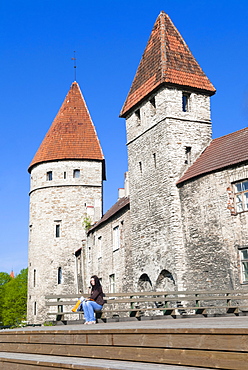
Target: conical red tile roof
{"points": [[72, 134], [166, 59]]}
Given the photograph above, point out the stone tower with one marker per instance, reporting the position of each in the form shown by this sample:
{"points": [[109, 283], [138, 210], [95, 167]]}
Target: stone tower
{"points": [[168, 124], [66, 189]]}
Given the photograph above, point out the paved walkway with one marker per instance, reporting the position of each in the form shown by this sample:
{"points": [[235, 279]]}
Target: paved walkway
{"points": [[235, 322]]}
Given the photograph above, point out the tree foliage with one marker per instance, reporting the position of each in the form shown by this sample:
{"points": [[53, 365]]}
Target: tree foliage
{"points": [[4, 278], [13, 306]]}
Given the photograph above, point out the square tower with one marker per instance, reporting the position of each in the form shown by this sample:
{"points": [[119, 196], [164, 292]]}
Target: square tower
{"points": [[168, 124]]}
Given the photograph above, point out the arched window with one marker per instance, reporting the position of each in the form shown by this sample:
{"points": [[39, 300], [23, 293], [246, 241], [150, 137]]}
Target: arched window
{"points": [[144, 283], [165, 281]]}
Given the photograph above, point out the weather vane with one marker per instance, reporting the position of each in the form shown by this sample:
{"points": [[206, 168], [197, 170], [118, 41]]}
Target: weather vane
{"points": [[75, 65]]}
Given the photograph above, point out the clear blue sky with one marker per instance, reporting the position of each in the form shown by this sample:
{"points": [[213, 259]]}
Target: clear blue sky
{"points": [[37, 43]]}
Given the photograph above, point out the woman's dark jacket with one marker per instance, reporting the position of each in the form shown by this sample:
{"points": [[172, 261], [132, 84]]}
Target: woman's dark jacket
{"points": [[97, 295]]}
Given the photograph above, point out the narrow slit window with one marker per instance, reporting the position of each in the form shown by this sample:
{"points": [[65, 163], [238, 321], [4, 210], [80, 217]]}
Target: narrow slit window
{"points": [[155, 160], [99, 247], [152, 106], [116, 238], [185, 102], [34, 277], [112, 283], [64, 175], [140, 167], [137, 114], [57, 231], [188, 155], [153, 102], [59, 275]]}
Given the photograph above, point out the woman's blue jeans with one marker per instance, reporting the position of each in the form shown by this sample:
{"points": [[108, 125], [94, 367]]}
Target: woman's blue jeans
{"points": [[89, 307]]}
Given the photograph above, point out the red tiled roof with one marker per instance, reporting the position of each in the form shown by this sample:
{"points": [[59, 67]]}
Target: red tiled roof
{"points": [[72, 134], [119, 205], [223, 152], [166, 59]]}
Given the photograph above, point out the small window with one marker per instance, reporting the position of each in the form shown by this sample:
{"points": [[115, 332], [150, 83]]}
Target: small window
{"points": [[244, 265], [57, 231], [64, 175], [185, 102], [49, 176], [241, 196], [89, 254], [140, 167], [99, 247], [188, 155], [153, 102], [34, 277], [112, 283], [137, 115], [35, 308], [116, 238], [154, 160], [59, 275], [76, 174]]}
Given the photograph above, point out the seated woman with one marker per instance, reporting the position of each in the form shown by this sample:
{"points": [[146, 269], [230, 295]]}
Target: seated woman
{"points": [[93, 303]]}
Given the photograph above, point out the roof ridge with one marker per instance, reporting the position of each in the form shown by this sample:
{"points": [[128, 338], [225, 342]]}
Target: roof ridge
{"points": [[163, 44], [231, 133], [222, 152], [116, 207]]}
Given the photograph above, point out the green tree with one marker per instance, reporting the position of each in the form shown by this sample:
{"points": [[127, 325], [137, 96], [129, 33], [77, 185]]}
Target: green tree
{"points": [[4, 278], [14, 306]]}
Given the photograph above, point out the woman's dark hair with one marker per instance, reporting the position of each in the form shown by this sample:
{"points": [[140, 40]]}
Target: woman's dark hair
{"points": [[97, 282]]}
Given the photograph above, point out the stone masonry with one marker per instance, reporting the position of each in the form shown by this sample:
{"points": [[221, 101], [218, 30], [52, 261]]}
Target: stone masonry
{"points": [[156, 158], [65, 192], [181, 221], [64, 203], [213, 234]]}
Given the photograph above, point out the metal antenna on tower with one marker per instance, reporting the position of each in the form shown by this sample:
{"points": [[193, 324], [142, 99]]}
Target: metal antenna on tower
{"points": [[75, 65]]}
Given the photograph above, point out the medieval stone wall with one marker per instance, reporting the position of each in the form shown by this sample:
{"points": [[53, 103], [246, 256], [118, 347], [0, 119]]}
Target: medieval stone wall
{"points": [[157, 140], [107, 258], [57, 211], [213, 231]]}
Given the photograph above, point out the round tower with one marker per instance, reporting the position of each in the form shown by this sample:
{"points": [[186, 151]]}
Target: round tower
{"points": [[65, 193]]}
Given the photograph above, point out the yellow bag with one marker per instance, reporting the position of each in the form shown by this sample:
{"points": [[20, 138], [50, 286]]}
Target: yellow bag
{"points": [[76, 306]]}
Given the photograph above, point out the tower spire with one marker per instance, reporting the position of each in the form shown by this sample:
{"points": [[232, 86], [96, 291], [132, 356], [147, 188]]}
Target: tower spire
{"points": [[75, 66], [166, 60], [72, 134]]}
